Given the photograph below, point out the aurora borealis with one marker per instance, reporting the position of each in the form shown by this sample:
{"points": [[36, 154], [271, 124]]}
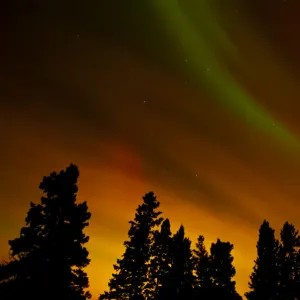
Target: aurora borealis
{"points": [[195, 100], [196, 46]]}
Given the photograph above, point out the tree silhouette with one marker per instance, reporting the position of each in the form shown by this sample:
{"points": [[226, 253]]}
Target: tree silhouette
{"points": [[203, 283], [222, 270], [48, 258], [180, 280], [265, 277], [288, 271], [160, 262], [132, 269]]}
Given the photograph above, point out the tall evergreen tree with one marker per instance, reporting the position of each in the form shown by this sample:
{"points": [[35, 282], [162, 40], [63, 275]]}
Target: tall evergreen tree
{"points": [[131, 273], [265, 277], [180, 281], [289, 247], [160, 262], [203, 271], [222, 270], [48, 259]]}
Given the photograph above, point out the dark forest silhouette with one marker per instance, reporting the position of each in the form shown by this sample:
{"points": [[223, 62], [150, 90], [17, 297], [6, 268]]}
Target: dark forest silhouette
{"points": [[47, 260]]}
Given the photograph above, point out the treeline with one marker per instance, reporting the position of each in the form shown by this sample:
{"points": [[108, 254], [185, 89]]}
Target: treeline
{"points": [[47, 260]]}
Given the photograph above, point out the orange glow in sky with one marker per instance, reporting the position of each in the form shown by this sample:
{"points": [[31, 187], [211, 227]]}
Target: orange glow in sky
{"points": [[92, 91]]}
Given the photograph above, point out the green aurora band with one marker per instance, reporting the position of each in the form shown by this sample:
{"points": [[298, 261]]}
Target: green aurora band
{"points": [[198, 48]]}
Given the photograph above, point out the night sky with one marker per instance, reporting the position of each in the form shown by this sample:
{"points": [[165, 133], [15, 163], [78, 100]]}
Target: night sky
{"points": [[198, 101]]}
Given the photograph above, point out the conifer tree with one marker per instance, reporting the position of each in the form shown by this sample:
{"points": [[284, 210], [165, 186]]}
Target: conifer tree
{"points": [[222, 270], [203, 282], [289, 247], [265, 277], [160, 262], [180, 281], [131, 270], [48, 259]]}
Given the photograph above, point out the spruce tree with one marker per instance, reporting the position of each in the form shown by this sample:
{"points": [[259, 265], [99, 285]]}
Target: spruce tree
{"points": [[48, 259], [131, 270], [180, 281], [289, 247], [203, 283], [160, 262], [222, 270], [264, 279]]}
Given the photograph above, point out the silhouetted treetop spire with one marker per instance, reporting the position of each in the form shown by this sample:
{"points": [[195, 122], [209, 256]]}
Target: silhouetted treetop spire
{"points": [[131, 271], [49, 256]]}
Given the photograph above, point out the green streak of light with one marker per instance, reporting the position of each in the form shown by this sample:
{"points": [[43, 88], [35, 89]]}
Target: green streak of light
{"points": [[202, 61]]}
